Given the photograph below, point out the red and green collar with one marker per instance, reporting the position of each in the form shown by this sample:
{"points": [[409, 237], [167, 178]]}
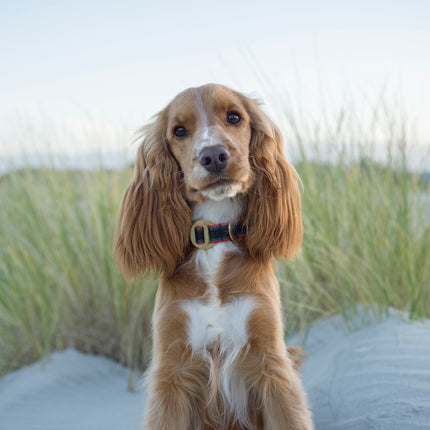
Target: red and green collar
{"points": [[205, 234]]}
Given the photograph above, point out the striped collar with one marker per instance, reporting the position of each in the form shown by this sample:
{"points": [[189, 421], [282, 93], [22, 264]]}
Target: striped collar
{"points": [[205, 234]]}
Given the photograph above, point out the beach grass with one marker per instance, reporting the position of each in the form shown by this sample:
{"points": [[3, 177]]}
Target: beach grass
{"points": [[59, 286], [366, 242]]}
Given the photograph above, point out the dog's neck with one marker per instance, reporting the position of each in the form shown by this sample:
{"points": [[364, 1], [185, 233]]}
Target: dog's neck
{"points": [[208, 261], [218, 211]]}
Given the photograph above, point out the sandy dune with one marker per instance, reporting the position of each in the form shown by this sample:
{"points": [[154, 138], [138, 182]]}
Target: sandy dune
{"points": [[375, 377]]}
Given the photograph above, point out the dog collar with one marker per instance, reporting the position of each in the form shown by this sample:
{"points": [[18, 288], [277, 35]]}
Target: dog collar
{"points": [[205, 234]]}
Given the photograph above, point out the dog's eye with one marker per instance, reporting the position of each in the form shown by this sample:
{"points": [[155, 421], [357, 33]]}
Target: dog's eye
{"points": [[233, 118], [180, 131]]}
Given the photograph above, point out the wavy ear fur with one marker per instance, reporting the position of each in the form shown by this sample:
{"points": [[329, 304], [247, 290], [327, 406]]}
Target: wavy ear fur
{"points": [[154, 216], [273, 219]]}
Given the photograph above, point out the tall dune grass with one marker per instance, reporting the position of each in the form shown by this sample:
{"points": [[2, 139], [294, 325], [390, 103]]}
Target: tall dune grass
{"points": [[59, 285], [366, 241]]}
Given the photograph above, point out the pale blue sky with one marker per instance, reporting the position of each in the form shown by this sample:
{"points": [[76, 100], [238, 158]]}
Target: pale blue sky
{"points": [[121, 61]]}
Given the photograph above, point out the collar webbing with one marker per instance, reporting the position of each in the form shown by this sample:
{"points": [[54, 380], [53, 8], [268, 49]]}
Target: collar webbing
{"points": [[205, 234]]}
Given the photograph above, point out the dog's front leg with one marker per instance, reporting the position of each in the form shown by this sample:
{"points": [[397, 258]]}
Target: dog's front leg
{"points": [[177, 381], [272, 376], [173, 400]]}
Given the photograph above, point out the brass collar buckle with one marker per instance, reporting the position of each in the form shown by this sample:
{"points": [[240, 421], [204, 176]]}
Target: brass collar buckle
{"points": [[209, 234], [204, 224], [231, 233]]}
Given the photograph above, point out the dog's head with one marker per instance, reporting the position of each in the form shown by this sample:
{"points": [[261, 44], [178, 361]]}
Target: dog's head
{"points": [[213, 143]]}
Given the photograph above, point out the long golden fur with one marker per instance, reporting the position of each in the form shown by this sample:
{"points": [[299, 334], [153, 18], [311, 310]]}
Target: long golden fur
{"points": [[192, 388]]}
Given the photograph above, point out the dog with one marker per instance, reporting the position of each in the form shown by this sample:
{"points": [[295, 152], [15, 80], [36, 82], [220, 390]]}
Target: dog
{"points": [[212, 204]]}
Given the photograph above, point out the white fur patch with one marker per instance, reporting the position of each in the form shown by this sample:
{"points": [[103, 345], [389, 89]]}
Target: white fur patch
{"points": [[218, 211], [208, 261], [234, 337], [204, 326], [207, 138], [223, 191], [211, 323]]}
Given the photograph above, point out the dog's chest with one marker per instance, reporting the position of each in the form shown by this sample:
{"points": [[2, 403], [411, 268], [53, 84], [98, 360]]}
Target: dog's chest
{"points": [[211, 322]]}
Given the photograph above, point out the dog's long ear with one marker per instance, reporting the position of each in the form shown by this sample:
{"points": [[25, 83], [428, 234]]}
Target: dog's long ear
{"points": [[154, 216], [273, 219]]}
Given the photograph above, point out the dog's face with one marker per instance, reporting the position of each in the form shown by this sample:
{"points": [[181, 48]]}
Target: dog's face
{"points": [[213, 143], [208, 131]]}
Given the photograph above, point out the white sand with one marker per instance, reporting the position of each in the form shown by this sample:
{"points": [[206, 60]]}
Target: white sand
{"points": [[72, 391], [376, 377]]}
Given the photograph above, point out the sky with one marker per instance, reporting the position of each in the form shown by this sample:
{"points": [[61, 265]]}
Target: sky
{"points": [[103, 68]]}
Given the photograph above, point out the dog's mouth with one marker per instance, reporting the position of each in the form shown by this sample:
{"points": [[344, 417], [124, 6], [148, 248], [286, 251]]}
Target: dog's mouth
{"points": [[216, 184], [222, 182], [218, 190], [223, 188]]}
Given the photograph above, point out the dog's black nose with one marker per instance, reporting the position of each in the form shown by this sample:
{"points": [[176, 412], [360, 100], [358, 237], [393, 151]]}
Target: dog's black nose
{"points": [[214, 159]]}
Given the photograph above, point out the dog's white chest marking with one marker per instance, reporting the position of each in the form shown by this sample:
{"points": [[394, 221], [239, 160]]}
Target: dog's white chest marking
{"points": [[209, 320], [212, 322], [225, 325]]}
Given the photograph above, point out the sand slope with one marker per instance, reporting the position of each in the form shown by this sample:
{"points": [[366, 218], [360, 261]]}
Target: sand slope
{"points": [[72, 391], [376, 377]]}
